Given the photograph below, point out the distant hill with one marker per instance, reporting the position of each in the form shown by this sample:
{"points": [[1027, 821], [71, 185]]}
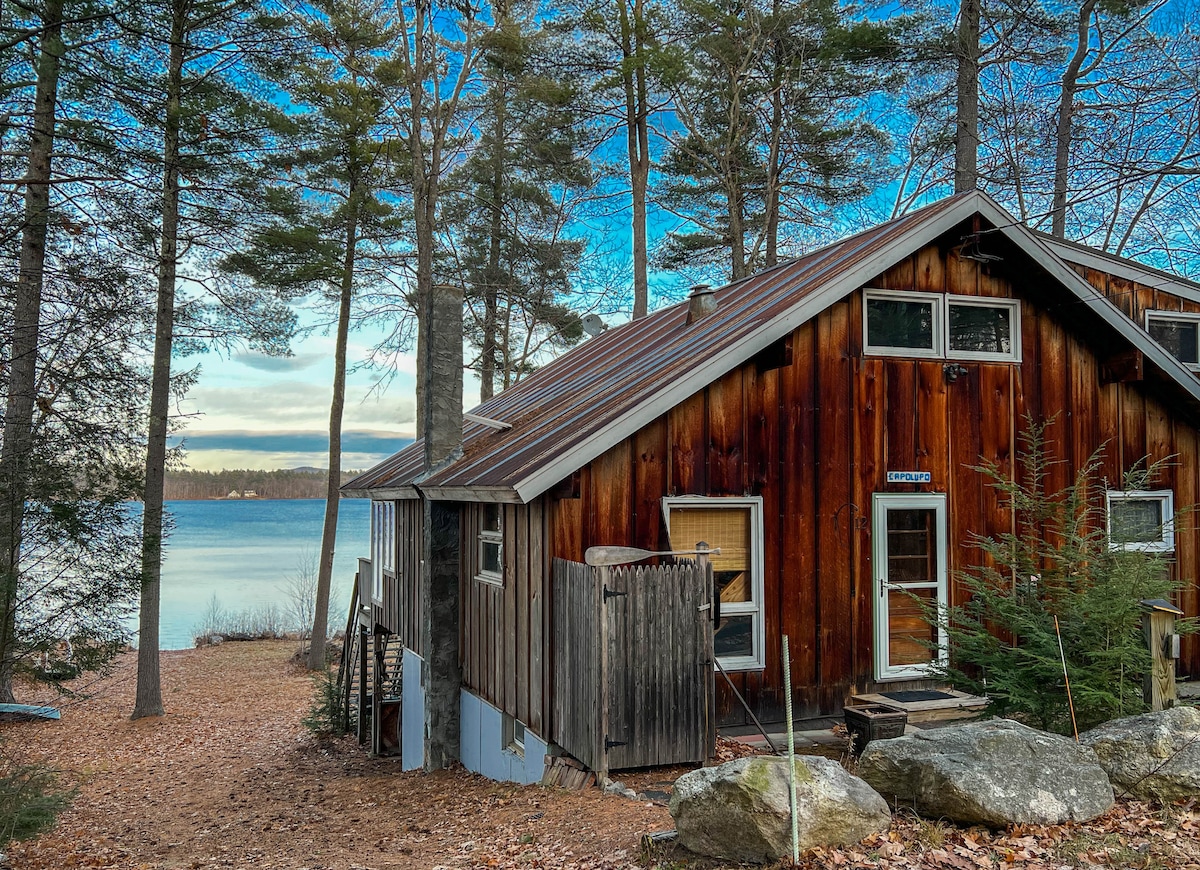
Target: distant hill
{"points": [[306, 482]]}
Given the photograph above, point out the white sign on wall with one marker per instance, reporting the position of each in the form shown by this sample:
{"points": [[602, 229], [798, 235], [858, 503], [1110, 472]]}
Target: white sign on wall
{"points": [[909, 477]]}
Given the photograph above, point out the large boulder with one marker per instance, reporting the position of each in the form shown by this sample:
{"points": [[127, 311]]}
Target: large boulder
{"points": [[994, 773], [1152, 756], [739, 811]]}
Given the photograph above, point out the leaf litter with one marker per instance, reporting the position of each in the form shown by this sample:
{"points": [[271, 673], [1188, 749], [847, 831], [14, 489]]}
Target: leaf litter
{"points": [[228, 778]]}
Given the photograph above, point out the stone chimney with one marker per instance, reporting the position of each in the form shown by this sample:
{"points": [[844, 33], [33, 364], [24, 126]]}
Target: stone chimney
{"points": [[701, 303], [444, 377]]}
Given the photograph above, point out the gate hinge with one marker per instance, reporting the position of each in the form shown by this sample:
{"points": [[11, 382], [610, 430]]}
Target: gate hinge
{"points": [[609, 744], [608, 593]]}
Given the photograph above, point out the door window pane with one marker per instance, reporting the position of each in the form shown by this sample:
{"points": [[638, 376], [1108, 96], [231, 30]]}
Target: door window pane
{"points": [[980, 329], [901, 323], [911, 545]]}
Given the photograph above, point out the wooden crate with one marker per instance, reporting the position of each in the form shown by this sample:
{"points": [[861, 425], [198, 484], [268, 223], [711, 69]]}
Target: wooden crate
{"points": [[867, 722]]}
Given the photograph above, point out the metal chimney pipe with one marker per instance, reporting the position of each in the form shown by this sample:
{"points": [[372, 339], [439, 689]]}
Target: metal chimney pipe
{"points": [[701, 303]]}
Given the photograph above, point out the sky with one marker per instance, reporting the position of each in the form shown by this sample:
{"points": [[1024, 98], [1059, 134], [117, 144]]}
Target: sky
{"points": [[249, 410]]}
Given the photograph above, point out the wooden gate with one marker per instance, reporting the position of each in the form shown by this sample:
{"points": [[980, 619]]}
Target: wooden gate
{"points": [[633, 664]]}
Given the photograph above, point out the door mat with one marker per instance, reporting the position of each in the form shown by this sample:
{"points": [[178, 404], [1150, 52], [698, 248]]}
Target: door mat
{"points": [[918, 695]]}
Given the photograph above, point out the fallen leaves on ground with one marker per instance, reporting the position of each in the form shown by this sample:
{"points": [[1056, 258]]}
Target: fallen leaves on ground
{"points": [[229, 779]]}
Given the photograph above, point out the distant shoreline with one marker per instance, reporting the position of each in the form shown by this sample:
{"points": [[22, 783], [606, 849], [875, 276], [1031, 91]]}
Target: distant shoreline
{"points": [[248, 484]]}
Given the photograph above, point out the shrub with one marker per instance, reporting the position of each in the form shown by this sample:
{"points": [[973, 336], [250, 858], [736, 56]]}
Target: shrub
{"points": [[327, 714], [1055, 575], [30, 799]]}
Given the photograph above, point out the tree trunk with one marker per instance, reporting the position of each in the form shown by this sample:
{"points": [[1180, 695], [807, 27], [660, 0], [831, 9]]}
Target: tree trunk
{"points": [[16, 454], [148, 701], [637, 135], [774, 177], [1066, 121], [491, 291], [320, 627], [966, 136]]}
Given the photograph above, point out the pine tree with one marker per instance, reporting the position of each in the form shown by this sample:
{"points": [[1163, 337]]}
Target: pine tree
{"points": [[771, 103], [512, 208], [72, 317], [328, 227], [1055, 575], [188, 83]]}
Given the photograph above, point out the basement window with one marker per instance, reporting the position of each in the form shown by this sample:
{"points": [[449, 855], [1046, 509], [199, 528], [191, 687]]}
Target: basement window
{"points": [[491, 546], [1142, 521], [735, 526], [1178, 333], [513, 737], [941, 326]]}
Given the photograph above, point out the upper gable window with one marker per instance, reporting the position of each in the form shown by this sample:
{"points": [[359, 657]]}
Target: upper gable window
{"points": [[1179, 333], [906, 323], [941, 326]]}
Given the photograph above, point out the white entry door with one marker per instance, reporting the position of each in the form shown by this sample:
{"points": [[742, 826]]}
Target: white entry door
{"points": [[909, 533]]}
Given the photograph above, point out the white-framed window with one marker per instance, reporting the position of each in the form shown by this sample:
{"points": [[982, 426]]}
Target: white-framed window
{"points": [[908, 324], [735, 526], [491, 545], [1178, 333], [941, 326], [383, 544], [1141, 520]]}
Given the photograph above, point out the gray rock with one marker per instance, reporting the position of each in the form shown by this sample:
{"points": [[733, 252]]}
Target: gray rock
{"points": [[992, 773], [739, 811], [1152, 756]]}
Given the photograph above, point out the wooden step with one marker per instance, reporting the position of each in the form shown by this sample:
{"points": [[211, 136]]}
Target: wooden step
{"points": [[959, 706]]}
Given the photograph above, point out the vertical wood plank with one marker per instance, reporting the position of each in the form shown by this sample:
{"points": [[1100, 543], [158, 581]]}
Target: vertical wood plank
{"points": [[797, 600], [687, 438], [726, 426], [834, 434], [524, 597], [650, 485], [765, 476]]}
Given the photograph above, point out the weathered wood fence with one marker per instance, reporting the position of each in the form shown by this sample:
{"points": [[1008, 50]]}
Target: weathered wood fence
{"points": [[633, 664]]}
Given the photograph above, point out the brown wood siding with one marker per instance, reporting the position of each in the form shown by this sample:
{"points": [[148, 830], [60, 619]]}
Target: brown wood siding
{"points": [[1134, 298], [815, 437], [506, 628]]}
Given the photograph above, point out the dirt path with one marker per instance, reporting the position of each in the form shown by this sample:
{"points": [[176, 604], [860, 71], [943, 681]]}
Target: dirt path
{"points": [[229, 779]]}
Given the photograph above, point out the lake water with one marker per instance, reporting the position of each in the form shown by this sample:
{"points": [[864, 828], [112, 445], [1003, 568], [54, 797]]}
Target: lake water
{"points": [[244, 556]]}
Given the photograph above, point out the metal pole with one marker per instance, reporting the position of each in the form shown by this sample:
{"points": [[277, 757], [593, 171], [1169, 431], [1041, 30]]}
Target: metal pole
{"points": [[1066, 679], [791, 755]]}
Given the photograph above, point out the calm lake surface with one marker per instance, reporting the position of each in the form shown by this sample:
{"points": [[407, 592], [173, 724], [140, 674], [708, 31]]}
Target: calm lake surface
{"points": [[247, 554]]}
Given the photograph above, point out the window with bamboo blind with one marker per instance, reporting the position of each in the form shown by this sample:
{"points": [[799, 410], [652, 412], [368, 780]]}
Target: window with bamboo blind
{"points": [[734, 525]]}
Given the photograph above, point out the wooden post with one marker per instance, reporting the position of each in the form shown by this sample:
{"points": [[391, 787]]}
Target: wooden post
{"points": [[602, 577], [710, 675], [1158, 626]]}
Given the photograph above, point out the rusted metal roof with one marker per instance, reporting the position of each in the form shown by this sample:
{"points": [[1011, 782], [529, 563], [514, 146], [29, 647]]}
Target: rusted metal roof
{"points": [[573, 409]]}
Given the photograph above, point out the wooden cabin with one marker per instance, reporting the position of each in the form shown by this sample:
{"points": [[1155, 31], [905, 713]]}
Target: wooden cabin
{"points": [[820, 422]]}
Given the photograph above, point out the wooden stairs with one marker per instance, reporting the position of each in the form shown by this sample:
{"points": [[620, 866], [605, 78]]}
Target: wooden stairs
{"points": [[369, 678]]}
